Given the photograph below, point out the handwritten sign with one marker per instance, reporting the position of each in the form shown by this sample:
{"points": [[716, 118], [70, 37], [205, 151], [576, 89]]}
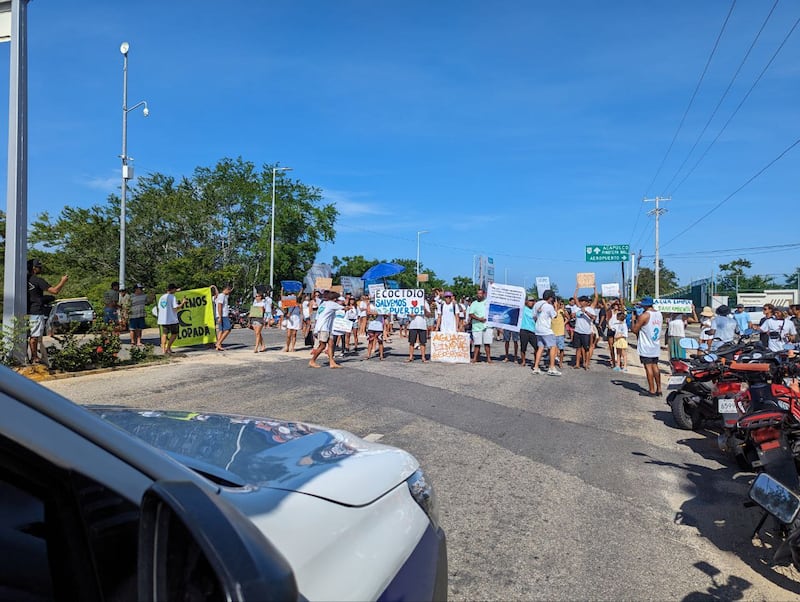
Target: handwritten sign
{"points": [[451, 348], [673, 306], [542, 284], [610, 290], [585, 279], [400, 301], [323, 284]]}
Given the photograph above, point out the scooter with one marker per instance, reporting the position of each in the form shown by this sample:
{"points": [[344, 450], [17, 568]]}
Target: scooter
{"points": [[783, 504]]}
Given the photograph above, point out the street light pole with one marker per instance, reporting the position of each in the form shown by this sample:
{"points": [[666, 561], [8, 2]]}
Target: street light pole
{"points": [[127, 171], [418, 234], [272, 230], [658, 212]]}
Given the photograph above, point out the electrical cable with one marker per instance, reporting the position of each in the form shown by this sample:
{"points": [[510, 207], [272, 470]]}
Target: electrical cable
{"points": [[691, 100], [722, 98]]}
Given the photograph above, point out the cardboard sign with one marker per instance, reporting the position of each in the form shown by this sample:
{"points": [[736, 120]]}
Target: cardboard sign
{"points": [[289, 301], [585, 279], [401, 301], [451, 348], [422, 277], [337, 288], [323, 284], [374, 288], [341, 325]]}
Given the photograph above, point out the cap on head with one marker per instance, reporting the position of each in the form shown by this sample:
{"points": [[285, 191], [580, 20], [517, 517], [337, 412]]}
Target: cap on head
{"points": [[138, 287], [448, 294], [740, 305], [647, 301]]}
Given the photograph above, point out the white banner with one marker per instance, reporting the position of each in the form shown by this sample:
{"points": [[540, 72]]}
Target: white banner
{"points": [[610, 290], [401, 301], [341, 325], [673, 306], [452, 348], [504, 304], [373, 288], [542, 284]]}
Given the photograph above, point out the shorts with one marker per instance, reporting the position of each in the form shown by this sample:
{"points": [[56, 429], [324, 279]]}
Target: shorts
{"points": [[136, 324], [36, 324], [510, 335], [582, 340], [648, 360], [170, 329], [621, 343], [403, 320], [483, 337], [610, 333], [417, 334], [525, 337], [375, 335], [546, 340], [560, 342], [323, 336], [224, 324], [109, 315]]}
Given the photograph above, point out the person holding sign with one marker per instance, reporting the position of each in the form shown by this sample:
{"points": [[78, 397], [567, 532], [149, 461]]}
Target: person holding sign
{"points": [[323, 328], [418, 332], [480, 334], [543, 312], [584, 320], [168, 308]]}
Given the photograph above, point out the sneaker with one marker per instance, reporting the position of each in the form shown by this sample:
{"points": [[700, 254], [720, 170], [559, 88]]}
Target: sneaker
{"points": [[536, 371], [617, 369], [554, 372]]}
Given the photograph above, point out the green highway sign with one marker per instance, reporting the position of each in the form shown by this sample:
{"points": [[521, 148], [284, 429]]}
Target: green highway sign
{"points": [[607, 252]]}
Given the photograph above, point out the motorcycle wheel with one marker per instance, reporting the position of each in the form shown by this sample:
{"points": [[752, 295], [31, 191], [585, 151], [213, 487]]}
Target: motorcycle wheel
{"points": [[686, 417]]}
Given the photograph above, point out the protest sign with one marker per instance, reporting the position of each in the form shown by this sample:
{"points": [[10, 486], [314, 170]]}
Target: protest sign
{"points": [[196, 318], [289, 301], [400, 301], [422, 277], [585, 279], [542, 284], [673, 306], [451, 348], [341, 325], [504, 303], [374, 288], [610, 290], [337, 288], [323, 284]]}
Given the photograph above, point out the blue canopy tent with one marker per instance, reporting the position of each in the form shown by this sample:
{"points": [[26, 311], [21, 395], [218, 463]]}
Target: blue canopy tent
{"points": [[291, 286], [381, 271]]}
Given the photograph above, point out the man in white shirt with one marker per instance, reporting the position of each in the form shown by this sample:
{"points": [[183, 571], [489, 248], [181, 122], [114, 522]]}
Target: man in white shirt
{"points": [[585, 315], [544, 312], [168, 308], [418, 332], [222, 316], [323, 328]]}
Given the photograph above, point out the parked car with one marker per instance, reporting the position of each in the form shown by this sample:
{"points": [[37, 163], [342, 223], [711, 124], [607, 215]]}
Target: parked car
{"points": [[125, 504], [70, 315]]}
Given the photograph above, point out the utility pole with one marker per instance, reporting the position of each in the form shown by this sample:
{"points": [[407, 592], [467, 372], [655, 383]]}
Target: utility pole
{"points": [[658, 211]]}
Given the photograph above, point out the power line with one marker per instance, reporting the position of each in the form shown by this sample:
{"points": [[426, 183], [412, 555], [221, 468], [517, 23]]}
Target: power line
{"points": [[731, 195], [694, 94], [724, 95], [750, 250], [739, 106]]}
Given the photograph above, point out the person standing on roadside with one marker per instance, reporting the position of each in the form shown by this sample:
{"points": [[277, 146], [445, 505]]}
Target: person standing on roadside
{"points": [[742, 318], [418, 332], [544, 312], [111, 304], [559, 325], [258, 312], [648, 329], [585, 316], [481, 335], [448, 320], [137, 313], [39, 306], [168, 307], [527, 330], [222, 316]]}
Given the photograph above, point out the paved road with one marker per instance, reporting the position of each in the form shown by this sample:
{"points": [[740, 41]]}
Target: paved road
{"points": [[551, 488]]}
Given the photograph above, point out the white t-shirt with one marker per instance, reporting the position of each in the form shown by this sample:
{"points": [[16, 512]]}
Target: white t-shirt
{"points": [[292, 318], [584, 317], [325, 315], [376, 323], [167, 305], [448, 323], [418, 321], [676, 327], [259, 309], [649, 344], [222, 299], [543, 313], [306, 310]]}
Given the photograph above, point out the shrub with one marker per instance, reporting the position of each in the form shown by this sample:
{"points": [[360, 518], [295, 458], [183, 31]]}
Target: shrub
{"points": [[71, 355], [141, 354]]}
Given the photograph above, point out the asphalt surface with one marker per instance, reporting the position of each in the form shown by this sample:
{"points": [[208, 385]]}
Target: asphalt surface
{"points": [[551, 488]]}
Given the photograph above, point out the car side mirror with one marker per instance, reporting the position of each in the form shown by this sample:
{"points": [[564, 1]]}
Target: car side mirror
{"points": [[195, 546], [688, 343], [775, 498]]}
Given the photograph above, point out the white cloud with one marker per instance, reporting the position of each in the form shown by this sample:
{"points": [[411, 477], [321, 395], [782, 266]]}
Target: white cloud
{"points": [[106, 184], [348, 207]]}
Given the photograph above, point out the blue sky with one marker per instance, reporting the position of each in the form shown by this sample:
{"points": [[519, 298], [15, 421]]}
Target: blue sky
{"points": [[519, 130]]}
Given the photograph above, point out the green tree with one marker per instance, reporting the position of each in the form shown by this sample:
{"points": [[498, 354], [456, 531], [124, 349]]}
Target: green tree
{"points": [[733, 278], [646, 281], [791, 279], [351, 265], [462, 286]]}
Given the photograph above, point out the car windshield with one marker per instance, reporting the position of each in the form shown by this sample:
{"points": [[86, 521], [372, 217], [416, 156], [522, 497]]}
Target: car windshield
{"points": [[72, 306]]}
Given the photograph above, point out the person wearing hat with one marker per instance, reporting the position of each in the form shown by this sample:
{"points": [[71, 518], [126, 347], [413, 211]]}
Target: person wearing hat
{"points": [[448, 320], [136, 322], [742, 318], [724, 327], [648, 329], [706, 332], [39, 306], [168, 307]]}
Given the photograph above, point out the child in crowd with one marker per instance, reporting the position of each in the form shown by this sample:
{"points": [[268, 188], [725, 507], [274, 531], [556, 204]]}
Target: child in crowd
{"points": [[621, 343]]}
